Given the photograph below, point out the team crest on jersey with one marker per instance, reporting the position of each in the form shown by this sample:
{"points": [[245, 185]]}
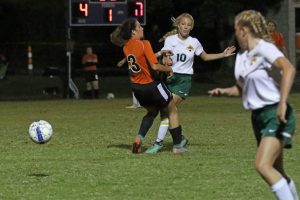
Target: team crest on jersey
{"points": [[190, 48], [253, 60]]}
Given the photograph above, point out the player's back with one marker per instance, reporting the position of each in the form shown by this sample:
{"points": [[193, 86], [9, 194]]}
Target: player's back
{"points": [[139, 53]]}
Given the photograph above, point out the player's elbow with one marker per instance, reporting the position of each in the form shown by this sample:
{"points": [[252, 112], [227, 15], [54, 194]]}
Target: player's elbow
{"points": [[234, 91], [294, 71], [204, 56]]}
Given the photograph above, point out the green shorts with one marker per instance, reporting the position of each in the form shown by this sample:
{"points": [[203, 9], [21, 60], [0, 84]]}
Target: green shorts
{"points": [[265, 123], [180, 84]]}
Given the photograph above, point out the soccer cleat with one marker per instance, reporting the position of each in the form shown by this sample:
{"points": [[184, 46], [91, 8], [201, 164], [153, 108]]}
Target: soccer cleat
{"points": [[179, 149], [154, 148], [137, 145], [133, 106], [184, 141]]}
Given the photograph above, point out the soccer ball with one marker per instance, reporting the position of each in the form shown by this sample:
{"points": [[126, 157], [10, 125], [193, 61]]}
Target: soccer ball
{"points": [[40, 131], [110, 96]]}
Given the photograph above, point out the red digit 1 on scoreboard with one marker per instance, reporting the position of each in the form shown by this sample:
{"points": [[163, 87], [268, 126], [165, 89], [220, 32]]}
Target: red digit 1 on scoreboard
{"points": [[83, 7], [139, 11], [110, 15]]}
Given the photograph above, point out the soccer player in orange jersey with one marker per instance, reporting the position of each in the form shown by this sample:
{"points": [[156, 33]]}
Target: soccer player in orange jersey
{"points": [[153, 95]]}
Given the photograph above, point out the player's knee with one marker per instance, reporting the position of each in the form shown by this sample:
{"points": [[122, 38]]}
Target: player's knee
{"points": [[152, 113], [262, 167]]}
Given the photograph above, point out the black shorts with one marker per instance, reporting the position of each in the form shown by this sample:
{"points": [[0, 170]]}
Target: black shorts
{"points": [[152, 94], [90, 76]]}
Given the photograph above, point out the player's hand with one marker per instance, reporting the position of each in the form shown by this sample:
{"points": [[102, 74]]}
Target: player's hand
{"points": [[169, 77], [281, 111], [166, 52], [216, 92], [229, 51], [121, 62]]}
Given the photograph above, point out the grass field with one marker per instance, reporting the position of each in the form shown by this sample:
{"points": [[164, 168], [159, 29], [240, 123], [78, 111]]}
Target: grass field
{"points": [[89, 155]]}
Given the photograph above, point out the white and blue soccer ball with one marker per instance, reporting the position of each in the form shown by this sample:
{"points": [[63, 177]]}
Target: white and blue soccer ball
{"points": [[110, 96], [40, 131]]}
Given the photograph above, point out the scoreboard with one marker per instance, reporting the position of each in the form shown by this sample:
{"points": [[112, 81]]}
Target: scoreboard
{"points": [[105, 12]]}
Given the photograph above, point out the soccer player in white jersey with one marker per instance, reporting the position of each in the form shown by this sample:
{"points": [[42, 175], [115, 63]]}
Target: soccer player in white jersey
{"points": [[264, 79], [184, 48]]}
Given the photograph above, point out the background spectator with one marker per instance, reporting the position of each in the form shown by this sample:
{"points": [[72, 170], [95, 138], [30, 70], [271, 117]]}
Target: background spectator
{"points": [[277, 36], [89, 62]]}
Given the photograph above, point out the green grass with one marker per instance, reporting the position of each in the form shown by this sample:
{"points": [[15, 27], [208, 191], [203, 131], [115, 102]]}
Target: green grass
{"points": [[89, 155]]}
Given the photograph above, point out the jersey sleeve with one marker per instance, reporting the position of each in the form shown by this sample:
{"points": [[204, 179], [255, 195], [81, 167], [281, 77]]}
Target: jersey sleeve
{"points": [[199, 47], [151, 58], [271, 53], [167, 44]]}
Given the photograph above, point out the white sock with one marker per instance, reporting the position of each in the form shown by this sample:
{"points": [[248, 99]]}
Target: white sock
{"points": [[293, 189], [135, 101], [163, 129], [282, 190]]}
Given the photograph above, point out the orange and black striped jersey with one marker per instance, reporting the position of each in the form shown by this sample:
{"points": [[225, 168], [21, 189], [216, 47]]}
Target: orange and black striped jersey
{"points": [[139, 56], [90, 62]]}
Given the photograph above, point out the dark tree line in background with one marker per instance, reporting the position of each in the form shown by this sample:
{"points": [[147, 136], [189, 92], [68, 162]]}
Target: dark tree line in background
{"points": [[23, 20], [44, 22]]}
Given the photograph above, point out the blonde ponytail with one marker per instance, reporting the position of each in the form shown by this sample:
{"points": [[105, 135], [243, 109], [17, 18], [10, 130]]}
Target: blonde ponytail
{"points": [[172, 32], [255, 22]]}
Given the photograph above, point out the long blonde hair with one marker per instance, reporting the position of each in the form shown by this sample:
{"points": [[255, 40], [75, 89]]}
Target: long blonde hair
{"points": [[255, 22], [175, 23]]}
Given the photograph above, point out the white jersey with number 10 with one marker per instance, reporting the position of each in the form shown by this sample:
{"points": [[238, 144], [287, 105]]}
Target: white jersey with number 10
{"points": [[184, 52]]}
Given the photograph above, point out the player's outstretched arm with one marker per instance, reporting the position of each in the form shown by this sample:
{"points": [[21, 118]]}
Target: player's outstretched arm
{"points": [[229, 51], [161, 68], [230, 91]]}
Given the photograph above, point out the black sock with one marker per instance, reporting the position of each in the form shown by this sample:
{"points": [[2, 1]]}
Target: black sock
{"points": [[145, 125], [89, 94], [96, 94], [176, 135]]}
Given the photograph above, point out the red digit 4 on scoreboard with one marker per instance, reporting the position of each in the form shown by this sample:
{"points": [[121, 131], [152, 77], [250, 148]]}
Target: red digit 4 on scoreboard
{"points": [[83, 7]]}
